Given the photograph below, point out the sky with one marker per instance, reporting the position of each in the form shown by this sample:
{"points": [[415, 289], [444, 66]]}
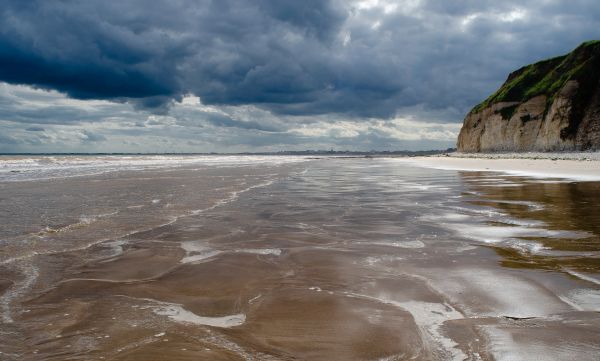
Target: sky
{"points": [[264, 75]]}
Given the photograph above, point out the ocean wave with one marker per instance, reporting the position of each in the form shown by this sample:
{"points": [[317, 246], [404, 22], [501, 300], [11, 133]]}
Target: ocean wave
{"points": [[49, 167]]}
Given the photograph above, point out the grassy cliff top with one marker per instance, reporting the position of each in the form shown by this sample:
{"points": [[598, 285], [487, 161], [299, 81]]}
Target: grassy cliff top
{"points": [[547, 77]]}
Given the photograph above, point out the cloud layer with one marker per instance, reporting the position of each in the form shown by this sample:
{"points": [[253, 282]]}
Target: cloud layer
{"points": [[267, 69], [71, 125]]}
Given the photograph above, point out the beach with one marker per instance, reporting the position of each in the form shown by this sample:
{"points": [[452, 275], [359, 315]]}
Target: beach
{"points": [[311, 258], [575, 166]]}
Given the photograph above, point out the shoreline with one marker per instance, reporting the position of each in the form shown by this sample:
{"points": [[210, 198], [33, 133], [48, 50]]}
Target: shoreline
{"points": [[579, 166], [580, 156]]}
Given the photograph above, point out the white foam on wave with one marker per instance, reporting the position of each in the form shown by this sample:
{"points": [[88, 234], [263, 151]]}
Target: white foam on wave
{"points": [[193, 246], [490, 214], [527, 246], [197, 252], [450, 216], [177, 313], [429, 317], [400, 244], [398, 183], [116, 246], [487, 212], [446, 216], [30, 274], [253, 299], [83, 221], [232, 197], [48, 167], [374, 260], [426, 187], [497, 234], [263, 251], [452, 220]]}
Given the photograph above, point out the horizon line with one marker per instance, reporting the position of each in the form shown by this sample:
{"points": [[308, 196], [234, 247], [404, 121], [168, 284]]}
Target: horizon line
{"points": [[308, 151]]}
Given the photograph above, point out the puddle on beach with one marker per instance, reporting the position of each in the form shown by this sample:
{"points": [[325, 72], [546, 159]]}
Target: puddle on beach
{"points": [[327, 259]]}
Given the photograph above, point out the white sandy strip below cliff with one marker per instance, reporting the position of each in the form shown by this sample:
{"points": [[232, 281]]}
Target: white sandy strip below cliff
{"points": [[588, 170]]}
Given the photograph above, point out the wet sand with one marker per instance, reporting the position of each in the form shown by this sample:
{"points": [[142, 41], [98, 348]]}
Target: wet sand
{"points": [[330, 259]]}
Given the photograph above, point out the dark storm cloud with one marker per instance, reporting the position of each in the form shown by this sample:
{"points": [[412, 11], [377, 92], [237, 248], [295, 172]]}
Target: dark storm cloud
{"points": [[152, 52], [286, 56], [46, 115]]}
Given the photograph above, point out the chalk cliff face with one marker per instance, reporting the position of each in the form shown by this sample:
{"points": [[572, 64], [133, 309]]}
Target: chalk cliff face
{"points": [[552, 105]]}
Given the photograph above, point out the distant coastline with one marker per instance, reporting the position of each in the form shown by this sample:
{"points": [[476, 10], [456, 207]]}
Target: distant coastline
{"points": [[285, 152]]}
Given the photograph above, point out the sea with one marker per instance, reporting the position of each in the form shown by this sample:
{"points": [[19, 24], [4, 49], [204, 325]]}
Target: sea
{"points": [[277, 257]]}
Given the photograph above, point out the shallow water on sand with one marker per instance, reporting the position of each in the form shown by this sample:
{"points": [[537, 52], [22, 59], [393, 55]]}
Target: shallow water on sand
{"points": [[292, 258]]}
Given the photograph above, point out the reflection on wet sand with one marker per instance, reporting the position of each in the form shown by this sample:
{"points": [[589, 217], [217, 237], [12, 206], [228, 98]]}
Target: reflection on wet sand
{"points": [[569, 209], [333, 259]]}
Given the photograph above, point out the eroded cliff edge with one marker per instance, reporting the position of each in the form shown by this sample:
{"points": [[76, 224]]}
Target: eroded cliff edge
{"points": [[552, 105]]}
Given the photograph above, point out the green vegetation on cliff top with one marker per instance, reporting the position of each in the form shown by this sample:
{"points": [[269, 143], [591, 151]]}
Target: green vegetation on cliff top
{"points": [[547, 77]]}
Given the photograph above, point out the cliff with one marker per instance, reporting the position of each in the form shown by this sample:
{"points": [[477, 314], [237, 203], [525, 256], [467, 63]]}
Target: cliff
{"points": [[552, 105]]}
